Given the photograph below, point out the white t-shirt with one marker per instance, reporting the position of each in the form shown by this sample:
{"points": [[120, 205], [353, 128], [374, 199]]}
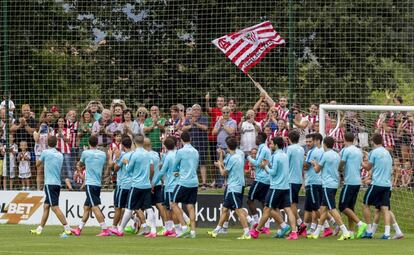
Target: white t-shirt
{"points": [[11, 106], [248, 136], [303, 132]]}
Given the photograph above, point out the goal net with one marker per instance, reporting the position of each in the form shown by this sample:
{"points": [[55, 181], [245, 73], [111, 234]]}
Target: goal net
{"points": [[396, 126]]}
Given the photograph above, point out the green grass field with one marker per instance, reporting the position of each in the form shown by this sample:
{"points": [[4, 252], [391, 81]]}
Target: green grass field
{"points": [[15, 239]]}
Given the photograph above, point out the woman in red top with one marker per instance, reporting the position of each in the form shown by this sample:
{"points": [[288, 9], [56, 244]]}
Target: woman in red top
{"points": [[234, 113], [261, 108]]}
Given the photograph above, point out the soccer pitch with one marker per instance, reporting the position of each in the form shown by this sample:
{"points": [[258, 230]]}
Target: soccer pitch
{"points": [[15, 239]]}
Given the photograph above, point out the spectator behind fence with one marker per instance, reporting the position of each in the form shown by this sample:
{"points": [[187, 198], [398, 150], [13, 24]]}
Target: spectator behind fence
{"points": [[117, 111], [270, 120], [141, 114], [63, 145], [85, 130], [12, 107], [248, 132], [385, 127], [197, 126], [154, 125], [261, 107], [10, 173], [40, 136], [224, 128], [96, 109], [282, 109], [173, 125], [214, 113], [312, 118], [104, 128], [72, 125], [130, 127], [24, 127], [300, 123], [235, 114], [23, 157]]}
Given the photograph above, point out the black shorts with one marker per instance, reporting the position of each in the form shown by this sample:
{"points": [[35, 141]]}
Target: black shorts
{"points": [[313, 197], [348, 197], [258, 191], [294, 192], [233, 200], [52, 194], [121, 197], [168, 199], [277, 198], [328, 198], [185, 195], [139, 199], [93, 195], [158, 195], [377, 196]]}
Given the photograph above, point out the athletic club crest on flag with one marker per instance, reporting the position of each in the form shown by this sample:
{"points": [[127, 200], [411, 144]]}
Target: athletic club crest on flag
{"points": [[247, 47]]}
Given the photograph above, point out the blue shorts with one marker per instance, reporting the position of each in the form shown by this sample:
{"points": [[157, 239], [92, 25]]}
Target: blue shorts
{"points": [[313, 197], [328, 198], [139, 199], [258, 191], [294, 192], [168, 199], [233, 200], [158, 195], [348, 197], [121, 197], [377, 196], [52, 194], [93, 195], [185, 195], [277, 198]]}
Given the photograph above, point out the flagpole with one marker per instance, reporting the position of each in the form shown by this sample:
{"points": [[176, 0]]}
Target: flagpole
{"points": [[256, 84]]}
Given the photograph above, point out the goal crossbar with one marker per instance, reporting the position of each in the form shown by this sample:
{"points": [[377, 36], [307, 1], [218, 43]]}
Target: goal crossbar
{"points": [[324, 107]]}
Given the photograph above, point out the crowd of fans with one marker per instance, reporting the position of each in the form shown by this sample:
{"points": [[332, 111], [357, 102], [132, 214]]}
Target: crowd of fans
{"points": [[209, 130]]}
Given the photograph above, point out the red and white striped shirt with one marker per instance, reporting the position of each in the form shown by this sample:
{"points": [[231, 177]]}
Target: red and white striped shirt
{"points": [[114, 146], [283, 114], [339, 136], [62, 146], [73, 128], [312, 119], [281, 133], [388, 138]]}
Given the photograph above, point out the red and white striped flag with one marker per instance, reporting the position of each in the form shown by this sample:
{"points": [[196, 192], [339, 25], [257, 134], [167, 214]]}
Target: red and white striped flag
{"points": [[247, 47]]}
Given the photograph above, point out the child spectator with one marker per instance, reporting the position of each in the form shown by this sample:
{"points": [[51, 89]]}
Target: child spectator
{"points": [[252, 168], [78, 178], [116, 144], [12, 157], [24, 165]]}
